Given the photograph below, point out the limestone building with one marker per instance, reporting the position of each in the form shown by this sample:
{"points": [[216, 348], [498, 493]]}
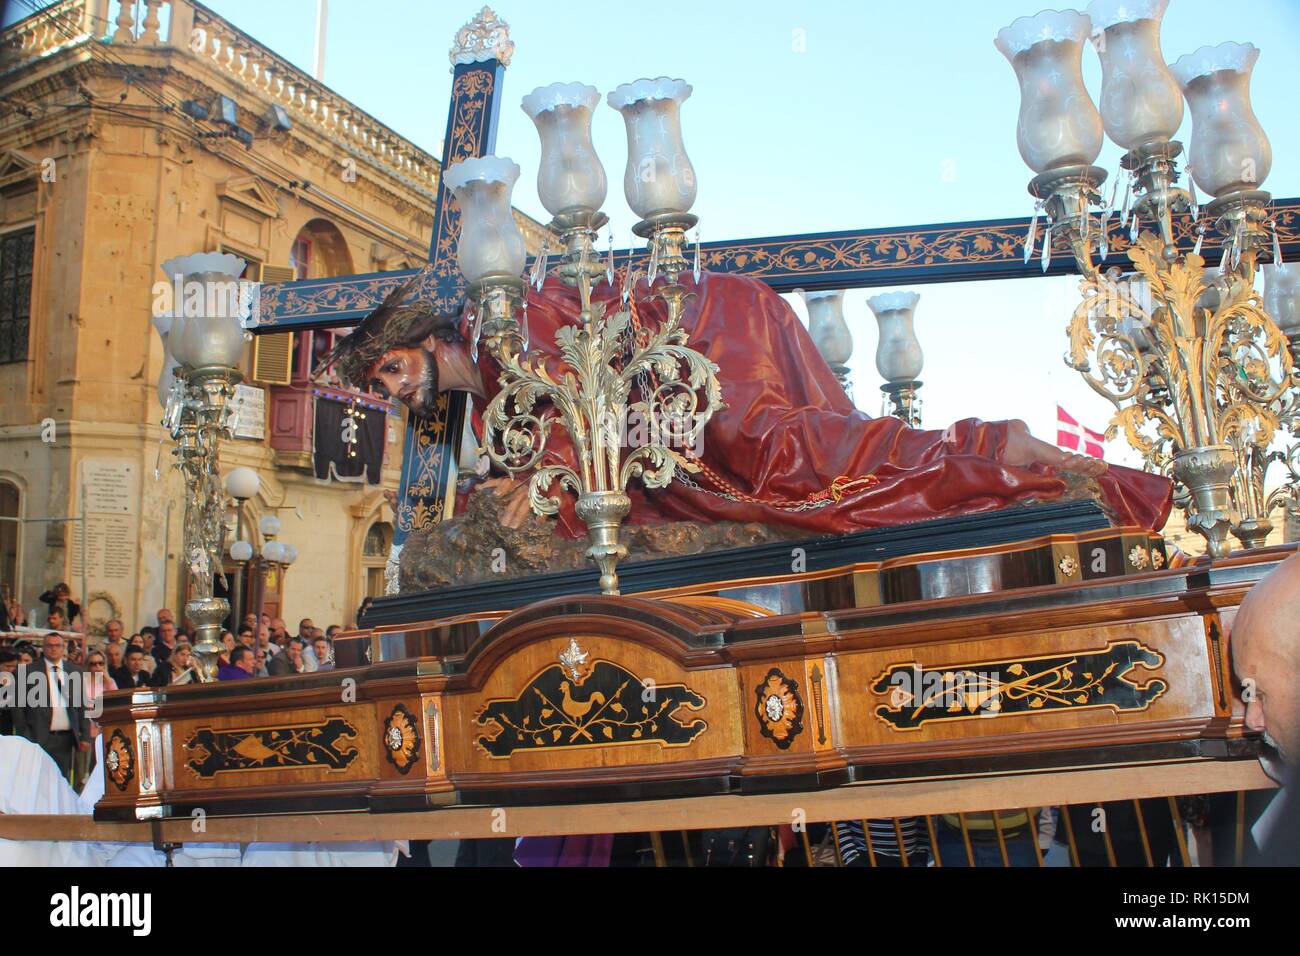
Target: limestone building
{"points": [[129, 134]]}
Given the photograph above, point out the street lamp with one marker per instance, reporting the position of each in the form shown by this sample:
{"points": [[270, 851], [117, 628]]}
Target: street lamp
{"points": [[275, 554], [241, 484], [203, 343]]}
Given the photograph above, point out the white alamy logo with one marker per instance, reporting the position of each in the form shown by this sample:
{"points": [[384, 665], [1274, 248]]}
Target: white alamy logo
{"points": [[103, 909]]}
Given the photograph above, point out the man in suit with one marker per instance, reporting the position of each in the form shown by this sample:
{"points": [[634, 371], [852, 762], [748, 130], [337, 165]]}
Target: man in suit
{"points": [[165, 644], [290, 662], [52, 713]]}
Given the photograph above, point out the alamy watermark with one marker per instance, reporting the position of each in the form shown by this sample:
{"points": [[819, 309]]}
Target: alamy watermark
{"points": [[965, 690], [28, 687], [205, 299]]}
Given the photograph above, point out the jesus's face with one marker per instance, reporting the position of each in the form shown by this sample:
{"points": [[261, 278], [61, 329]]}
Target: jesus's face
{"points": [[409, 375]]}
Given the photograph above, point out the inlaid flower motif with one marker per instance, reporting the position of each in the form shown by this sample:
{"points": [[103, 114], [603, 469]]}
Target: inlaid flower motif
{"points": [[1069, 567], [1157, 559], [401, 739], [1137, 557], [118, 760], [779, 709]]}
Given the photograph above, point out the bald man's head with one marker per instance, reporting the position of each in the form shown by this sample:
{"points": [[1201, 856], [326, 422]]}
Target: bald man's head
{"points": [[1266, 657]]}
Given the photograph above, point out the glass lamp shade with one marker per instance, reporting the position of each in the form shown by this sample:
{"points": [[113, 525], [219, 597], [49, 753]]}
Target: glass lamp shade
{"points": [[241, 551], [898, 353], [490, 241], [659, 178], [162, 324], [1229, 150], [274, 551], [269, 526], [830, 333], [205, 329], [242, 483], [569, 175], [1140, 99], [290, 554], [1058, 124], [168, 378], [1282, 296]]}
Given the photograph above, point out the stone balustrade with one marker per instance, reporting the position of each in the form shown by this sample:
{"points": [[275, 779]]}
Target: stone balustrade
{"points": [[189, 26], [306, 100], [54, 28]]}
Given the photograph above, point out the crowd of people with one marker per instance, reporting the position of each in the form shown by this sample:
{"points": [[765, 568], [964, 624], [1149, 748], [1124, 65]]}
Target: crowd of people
{"points": [[64, 672]]}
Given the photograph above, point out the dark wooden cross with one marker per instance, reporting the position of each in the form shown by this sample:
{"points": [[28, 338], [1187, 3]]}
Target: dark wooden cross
{"points": [[947, 252]]}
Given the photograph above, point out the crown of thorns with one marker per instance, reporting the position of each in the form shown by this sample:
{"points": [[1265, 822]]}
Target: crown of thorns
{"points": [[393, 324]]}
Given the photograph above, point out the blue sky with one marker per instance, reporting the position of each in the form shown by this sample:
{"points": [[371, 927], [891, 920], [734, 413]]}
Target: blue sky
{"points": [[821, 115]]}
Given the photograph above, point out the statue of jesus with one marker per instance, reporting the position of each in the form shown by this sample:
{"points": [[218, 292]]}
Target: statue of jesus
{"points": [[789, 449]]}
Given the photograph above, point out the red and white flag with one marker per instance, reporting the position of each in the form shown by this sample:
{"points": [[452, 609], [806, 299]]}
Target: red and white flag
{"points": [[1072, 436]]}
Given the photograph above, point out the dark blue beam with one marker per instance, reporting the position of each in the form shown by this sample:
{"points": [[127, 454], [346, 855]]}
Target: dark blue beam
{"points": [[907, 255]]}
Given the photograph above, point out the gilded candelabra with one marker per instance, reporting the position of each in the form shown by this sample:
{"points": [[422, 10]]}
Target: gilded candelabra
{"points": [[1197, 370], [1193, 386], [610, 365], [1282, 302]]}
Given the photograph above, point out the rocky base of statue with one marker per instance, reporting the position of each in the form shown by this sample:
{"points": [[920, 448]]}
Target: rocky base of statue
{"points": [[474, 546]]}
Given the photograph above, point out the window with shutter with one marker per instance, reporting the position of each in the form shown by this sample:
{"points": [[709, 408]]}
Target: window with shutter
{"points": [[273, 354], [16, 251]]}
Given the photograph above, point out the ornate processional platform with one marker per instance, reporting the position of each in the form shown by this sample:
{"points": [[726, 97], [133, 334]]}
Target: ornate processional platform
{"points": [[1028, 656]]}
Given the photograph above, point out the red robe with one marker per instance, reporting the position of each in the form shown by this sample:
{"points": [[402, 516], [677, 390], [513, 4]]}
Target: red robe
{"points": [[789, 430]]}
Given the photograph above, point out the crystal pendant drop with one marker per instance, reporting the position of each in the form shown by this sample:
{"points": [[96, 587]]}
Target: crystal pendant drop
{"points": [[474, 335], [1133, 229], [523, 327], [653, 272], [157, 464], [695, 272], [537, 261], [1114, 193], [609, 262], [1032, 234], [1200, 238], [1227, 257], [1277, 245], [1124, 209], [628, 278], [1047, 249], [1192, 197]]}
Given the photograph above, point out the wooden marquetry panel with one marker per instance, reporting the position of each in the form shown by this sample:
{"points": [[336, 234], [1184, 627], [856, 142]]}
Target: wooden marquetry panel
{"points": [[435, 760], [403, 740], [779, 708], [819, 674], [275, 748], [568, 703], [1143, 679]]}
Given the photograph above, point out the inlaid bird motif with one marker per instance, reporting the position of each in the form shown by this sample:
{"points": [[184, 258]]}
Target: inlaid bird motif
{"points": [[577, 709]]}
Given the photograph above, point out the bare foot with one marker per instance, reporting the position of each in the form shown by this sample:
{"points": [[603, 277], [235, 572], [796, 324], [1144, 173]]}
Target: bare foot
{"points": [[1024, 449]]}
